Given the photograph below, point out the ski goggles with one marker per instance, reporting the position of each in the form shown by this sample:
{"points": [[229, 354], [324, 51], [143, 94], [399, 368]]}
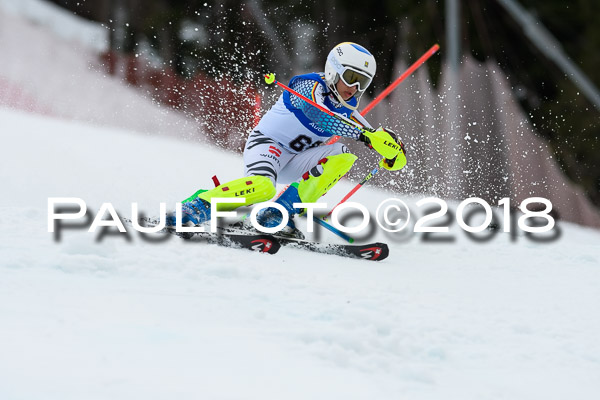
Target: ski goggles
{"points": [[352, 77]]}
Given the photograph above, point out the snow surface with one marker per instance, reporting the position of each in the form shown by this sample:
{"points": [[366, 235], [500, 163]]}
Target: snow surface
{"points": [[120, 319]]}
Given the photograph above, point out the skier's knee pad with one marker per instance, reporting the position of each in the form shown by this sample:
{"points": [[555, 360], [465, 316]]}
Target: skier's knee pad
{"points": [[254, 189], [316, 182]]}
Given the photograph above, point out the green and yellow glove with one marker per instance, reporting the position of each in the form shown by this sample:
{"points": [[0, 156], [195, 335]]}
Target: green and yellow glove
{"points": [[385, 142]]}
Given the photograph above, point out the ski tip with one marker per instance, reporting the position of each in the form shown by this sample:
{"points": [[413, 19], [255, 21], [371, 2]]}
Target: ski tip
{"points": [[375, 252], [265, 244]]}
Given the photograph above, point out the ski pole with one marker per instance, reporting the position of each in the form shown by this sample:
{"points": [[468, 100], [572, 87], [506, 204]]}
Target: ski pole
{"points": [[333, 229], [372, 104], [393, 85], [270, 78]]}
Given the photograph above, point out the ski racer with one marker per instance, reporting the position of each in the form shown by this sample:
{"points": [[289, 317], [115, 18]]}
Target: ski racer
{"points": [[286, 145]]}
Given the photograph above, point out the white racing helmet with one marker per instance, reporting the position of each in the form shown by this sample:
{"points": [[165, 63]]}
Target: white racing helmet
{"points": [[354, 65]]}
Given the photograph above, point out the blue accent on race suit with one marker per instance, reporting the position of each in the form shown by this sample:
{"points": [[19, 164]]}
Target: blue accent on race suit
{"points": [[299, 113]]}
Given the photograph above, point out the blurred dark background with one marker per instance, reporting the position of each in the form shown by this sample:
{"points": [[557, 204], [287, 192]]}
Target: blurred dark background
{"points": [[243, 39]]}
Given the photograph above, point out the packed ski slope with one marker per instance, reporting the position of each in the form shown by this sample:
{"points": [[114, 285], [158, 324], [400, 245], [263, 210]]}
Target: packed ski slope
{"points": [[123, 319]]}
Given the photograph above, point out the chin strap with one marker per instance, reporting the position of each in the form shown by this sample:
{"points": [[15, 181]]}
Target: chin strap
{"points": [[348, 105]]}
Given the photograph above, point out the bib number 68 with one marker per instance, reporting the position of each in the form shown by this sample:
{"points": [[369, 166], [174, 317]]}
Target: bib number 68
{"points": [[302, 142]]}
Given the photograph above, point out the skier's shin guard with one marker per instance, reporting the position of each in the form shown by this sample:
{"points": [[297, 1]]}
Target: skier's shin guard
{"points": [[316, 182], [254, 189]]}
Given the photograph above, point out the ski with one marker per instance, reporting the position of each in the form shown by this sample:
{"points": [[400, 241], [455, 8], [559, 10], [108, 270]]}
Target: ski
{"points": [[271, 243], [256, 242], [371, 251]]}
